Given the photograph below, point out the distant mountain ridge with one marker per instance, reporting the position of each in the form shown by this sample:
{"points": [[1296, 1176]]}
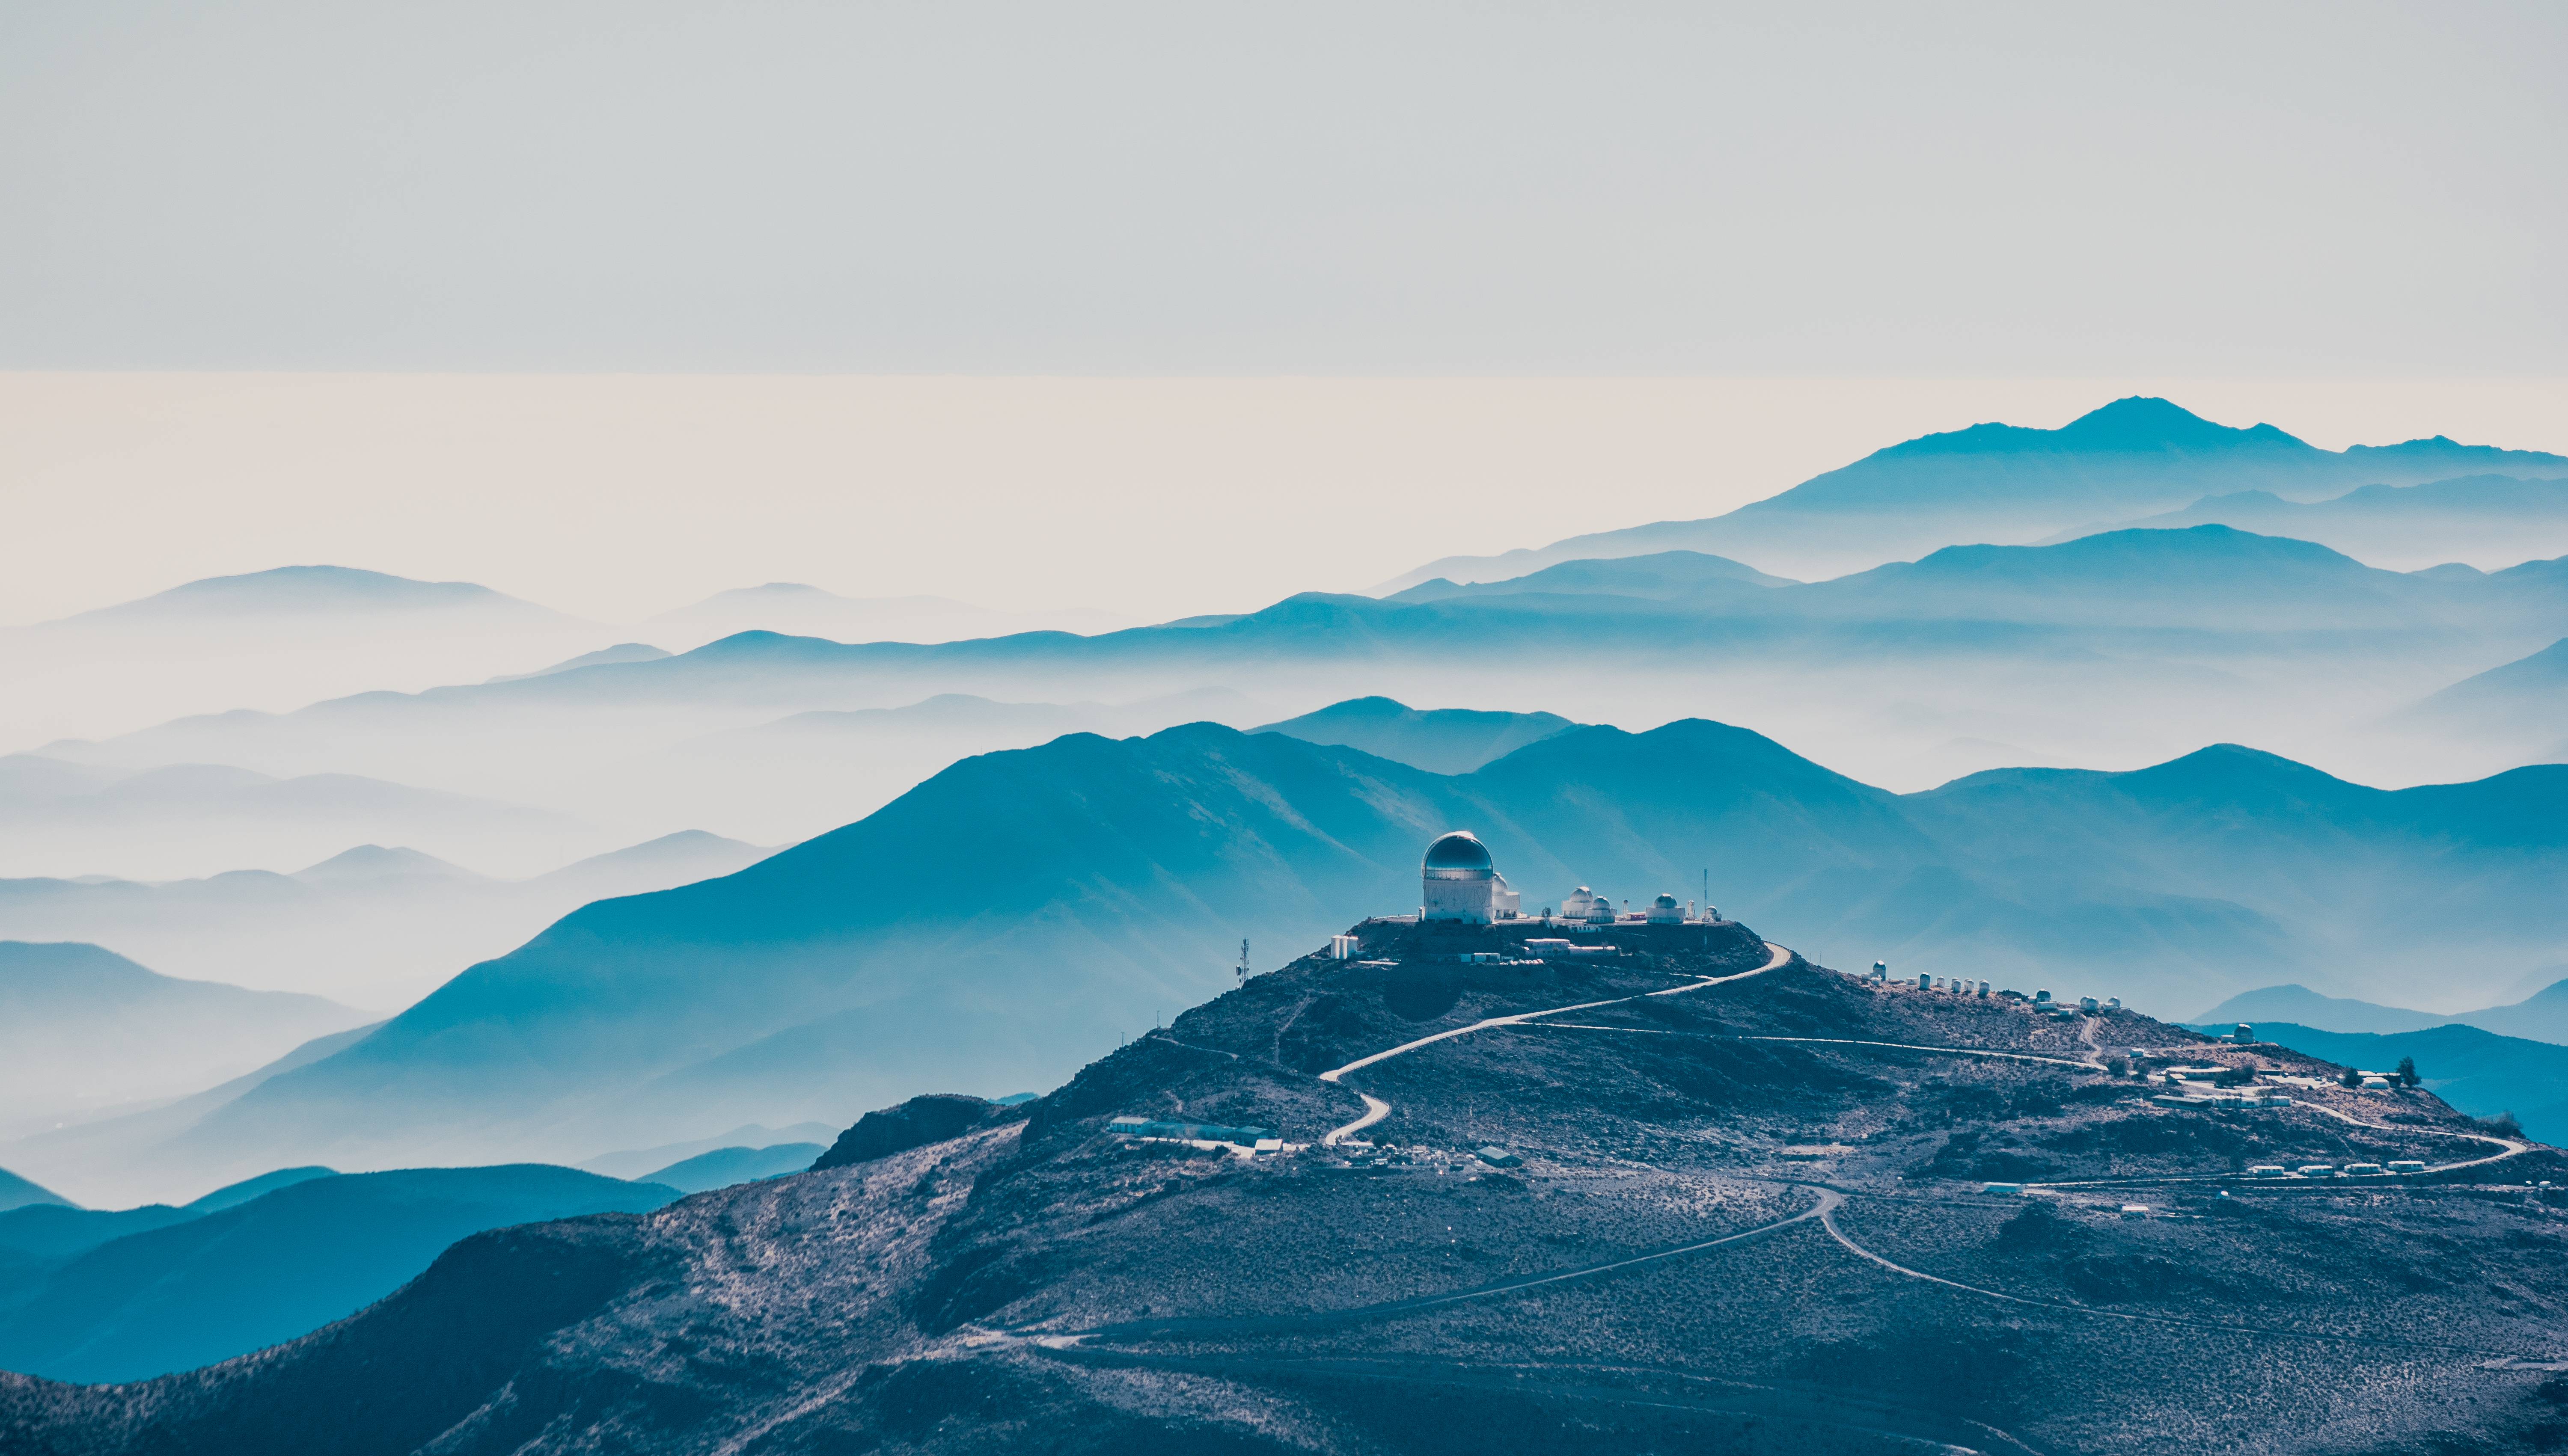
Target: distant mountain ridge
{"points": [[82, 1028], [17, 1193], [2527, 698], [164, 822], [1439, 740], [797, 608], [1658, 575], [2541, 1017], [2131, 580], [2007, 485], [338, 592], [2492, 521], [415, 916], [274, 1266], [1025, 906]]}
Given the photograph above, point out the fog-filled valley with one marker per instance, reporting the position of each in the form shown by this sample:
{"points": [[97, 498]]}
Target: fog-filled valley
{"points": [[333, 900]]}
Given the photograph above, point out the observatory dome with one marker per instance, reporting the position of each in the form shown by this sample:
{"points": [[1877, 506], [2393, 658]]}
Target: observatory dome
{"points": [[1459, 856]]}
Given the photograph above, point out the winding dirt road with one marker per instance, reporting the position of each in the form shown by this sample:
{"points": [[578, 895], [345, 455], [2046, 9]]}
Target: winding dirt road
{"points": [[1377, 1109]]}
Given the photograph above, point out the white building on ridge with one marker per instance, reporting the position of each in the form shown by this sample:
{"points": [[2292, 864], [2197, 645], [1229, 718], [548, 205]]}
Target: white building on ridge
{"points": [[1459, 882]]}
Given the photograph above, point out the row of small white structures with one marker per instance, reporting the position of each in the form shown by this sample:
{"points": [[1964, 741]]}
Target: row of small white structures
{"points": [[1965, 986]]}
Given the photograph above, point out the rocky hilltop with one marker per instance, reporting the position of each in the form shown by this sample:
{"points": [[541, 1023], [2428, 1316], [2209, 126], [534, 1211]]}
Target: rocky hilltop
{"points": [[1647, 1188]]}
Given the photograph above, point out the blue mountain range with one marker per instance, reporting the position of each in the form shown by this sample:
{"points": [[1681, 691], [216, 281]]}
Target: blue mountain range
{"points": [[340, 593], [1020, 910], [174, 1288], [2176, 592], [2005, 484]]}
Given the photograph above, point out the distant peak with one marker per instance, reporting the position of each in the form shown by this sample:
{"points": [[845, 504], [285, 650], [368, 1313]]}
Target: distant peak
{"points": [[315, 591], [2144, 422], [2234, 763], [376, 861]]}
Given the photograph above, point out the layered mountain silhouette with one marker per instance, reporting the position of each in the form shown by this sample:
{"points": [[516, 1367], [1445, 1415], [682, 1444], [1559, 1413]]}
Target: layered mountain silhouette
{"points": [[2522, 705], [269, 640], [639, 1163], [417, 916], [42, 1234], [1439, 740], [220, 1282], [198, 818], [1024, 908], [2237, 626], [2489, 520], [795, 608], [17, 1193], [2299, 1006], [622, 651], [1656, 575], [82, 1028], [724, 1167], [290, 595], [117, 1159], [2541, 1017], [2005, 484]]}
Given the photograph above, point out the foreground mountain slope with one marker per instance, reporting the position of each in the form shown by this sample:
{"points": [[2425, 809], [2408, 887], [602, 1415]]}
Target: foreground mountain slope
{"points": [[2478, 1071], [2005, 484], [1658, 1265]]}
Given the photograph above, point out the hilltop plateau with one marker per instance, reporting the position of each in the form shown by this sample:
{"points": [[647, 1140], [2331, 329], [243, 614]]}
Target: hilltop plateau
{"points": [[1647, 1187]]}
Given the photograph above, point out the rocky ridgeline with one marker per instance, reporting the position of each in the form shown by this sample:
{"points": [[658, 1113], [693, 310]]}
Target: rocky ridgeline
{"points": [[1673, 1189]]}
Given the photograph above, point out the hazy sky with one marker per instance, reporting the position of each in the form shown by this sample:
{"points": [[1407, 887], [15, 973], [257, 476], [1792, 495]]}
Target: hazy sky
{"points": [[1190, 185], [621, 498], [611, 304]]}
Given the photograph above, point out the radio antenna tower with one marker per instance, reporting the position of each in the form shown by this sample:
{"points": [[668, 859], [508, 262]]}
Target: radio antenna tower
{"points": [[1243, 963]]}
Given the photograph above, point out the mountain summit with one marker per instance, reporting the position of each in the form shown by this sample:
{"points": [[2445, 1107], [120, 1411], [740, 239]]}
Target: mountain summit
{"points": [[287, 594], [1656, 1184], [2008, 484]]}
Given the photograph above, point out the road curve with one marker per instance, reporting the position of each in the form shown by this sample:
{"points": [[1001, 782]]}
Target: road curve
{"points": [[1195, 1327], [1377, 1109], [1827, 1216], [1833, 1041]]}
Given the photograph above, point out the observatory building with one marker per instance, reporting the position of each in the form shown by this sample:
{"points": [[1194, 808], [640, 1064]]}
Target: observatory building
{"points": [[1460, 883]]}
